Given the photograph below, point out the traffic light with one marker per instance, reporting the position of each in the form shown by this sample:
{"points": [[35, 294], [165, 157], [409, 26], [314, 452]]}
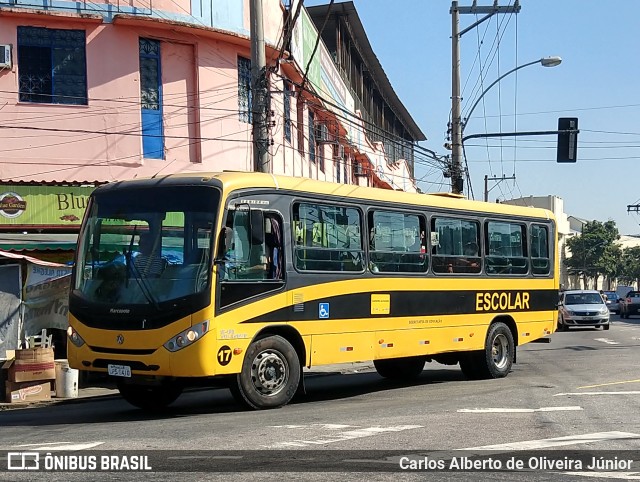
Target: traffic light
{"points": [[567, 139]]}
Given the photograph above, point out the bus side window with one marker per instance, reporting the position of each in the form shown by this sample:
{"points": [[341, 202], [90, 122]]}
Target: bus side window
{"points": [[331, 237], [507, 248], [273, 244]]}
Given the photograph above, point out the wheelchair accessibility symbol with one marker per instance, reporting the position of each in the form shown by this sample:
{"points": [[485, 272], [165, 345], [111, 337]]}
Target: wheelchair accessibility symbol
{"points": [[323, 310]]}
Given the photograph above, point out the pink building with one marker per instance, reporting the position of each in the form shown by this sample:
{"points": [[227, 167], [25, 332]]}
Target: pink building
{"points": [[94, 92]]}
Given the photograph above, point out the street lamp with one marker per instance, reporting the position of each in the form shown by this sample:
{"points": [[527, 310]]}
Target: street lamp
{"points": [[545, 62], [458, 126]]}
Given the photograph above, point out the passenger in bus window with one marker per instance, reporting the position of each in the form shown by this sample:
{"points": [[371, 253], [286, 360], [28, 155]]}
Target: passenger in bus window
{"points": [[148, 264], [470, 262]]}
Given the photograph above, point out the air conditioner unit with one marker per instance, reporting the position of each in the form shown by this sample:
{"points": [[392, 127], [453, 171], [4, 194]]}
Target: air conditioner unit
{"points": [[321, 132], [5, 56]]}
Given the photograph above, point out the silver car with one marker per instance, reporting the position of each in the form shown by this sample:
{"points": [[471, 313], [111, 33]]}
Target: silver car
{"points": [[612, 301], [582, 308]]}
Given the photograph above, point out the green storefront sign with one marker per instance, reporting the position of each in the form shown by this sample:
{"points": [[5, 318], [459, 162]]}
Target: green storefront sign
{"points": [[42, 205]]}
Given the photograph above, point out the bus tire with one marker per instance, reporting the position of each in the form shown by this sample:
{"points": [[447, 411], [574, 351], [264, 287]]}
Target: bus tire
{"points": [[496, 360], [400, 368], [150, 397], [270, 374]]}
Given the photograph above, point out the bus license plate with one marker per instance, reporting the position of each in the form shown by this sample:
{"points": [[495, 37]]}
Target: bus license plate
{"points": [[119, 371]]}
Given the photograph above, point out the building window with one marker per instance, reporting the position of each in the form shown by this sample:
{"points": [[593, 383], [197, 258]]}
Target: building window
{"points": [[312, 138], [151, 99], [287, 110], [300, 122], [52, 66], [244, 90]]}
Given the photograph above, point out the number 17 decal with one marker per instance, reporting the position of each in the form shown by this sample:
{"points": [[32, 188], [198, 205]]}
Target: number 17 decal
{"points": [[224, 355]]}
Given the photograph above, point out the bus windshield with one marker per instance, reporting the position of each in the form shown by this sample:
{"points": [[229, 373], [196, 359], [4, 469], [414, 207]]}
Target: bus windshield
{"points": [[146, 246]]}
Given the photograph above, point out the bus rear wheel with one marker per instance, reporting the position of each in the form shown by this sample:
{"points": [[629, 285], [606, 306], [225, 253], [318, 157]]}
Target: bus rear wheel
{"points": [[270, 374], [496, 360], [400, 368], [150, 397]]}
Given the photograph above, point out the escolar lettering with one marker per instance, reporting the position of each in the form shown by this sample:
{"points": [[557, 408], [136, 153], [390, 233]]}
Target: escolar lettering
{"points": [[502, 301]]}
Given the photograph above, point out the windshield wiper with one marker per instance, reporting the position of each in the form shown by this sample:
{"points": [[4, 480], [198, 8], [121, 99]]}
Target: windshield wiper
{"points": [[144, 287]]}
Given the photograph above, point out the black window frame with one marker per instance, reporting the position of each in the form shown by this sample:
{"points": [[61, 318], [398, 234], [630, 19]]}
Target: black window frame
{"points": [[245, 93], [340, 259], [456, 261], [406, 261], [39, 50], [504, 262]]}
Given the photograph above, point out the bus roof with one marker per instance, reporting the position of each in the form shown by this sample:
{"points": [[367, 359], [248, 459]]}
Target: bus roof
{"points": [[237, 180]]}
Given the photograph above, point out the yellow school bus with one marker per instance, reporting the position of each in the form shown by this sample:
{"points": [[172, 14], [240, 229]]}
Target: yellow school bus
{"points": [[246, 278]]}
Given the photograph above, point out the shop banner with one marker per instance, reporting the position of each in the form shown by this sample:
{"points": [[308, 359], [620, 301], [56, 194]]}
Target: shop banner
{"points": [[46, 298]]}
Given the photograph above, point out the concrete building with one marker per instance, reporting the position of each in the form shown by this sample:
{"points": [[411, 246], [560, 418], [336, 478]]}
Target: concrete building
{"points": [[95, 92]]}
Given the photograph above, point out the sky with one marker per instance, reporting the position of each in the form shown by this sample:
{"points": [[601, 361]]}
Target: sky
{"points": [[596, 82]]}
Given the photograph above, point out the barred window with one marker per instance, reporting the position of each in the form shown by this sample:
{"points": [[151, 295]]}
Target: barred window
{"points": [[287, 110], [149, 74], [245, 97], [52, 66], [312, 137]]}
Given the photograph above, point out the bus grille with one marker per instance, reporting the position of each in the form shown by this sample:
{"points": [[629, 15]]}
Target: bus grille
{"points": [[121, 351]]}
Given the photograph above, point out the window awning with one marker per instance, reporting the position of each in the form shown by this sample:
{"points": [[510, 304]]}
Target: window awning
{"points": [[38, 242]]}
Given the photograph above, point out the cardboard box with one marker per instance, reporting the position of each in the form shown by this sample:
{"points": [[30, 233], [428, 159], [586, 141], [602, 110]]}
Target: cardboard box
{"points": [[27, 392], [31, 365], [34, 355]]}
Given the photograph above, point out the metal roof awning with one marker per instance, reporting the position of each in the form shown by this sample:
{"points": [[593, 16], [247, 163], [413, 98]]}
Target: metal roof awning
{"points": [[38, 241]]}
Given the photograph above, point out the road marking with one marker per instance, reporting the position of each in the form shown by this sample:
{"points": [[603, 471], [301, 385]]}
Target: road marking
{"points": [[610, 383], [633, 392], [340, 436], [607, 341], [518, 410], [57, 446], [326, 426], [558, 441]]}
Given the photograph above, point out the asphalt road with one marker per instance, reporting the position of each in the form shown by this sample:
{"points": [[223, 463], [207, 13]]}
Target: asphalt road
{"points": [[578, 393]]}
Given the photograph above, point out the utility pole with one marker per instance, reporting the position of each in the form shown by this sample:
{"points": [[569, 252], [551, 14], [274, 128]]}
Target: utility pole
{"points": [[259, 97], [457, 181], [499, 179]]}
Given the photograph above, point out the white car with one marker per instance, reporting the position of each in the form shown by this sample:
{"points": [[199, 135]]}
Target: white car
{"points": [[582, 308]]}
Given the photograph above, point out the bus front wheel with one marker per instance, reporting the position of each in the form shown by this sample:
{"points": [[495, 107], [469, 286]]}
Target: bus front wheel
{"points": [[496, 360], [270, 374], [400, 368], [150, 397]]}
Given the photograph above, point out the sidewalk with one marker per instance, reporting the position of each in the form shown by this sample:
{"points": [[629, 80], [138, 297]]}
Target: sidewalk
{"points": [[103, 390]]}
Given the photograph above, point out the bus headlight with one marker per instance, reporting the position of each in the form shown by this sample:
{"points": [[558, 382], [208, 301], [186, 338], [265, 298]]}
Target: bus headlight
{"points": [[74, 337], [187, 337]]}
